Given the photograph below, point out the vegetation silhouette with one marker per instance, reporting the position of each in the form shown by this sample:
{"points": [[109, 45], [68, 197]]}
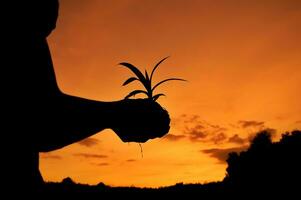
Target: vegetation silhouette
{"points": [[146, 80], [265, 168], [39, 117]]}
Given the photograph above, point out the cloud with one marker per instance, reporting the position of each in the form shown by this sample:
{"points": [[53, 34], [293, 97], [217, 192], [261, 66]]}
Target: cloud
{"points": [[202, 131], [194, 128], [88, 142], [237, 139], [102, 164], [196, 131], [222, 154], [131, 160], [190, 118], [197, 135], [88, 155], [218, 138], [298, 122], [172, 137], [247, 124], [50, 156]]}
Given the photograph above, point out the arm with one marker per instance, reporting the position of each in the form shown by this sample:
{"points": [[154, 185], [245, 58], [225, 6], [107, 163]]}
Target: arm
{"points": [[77, 118]]}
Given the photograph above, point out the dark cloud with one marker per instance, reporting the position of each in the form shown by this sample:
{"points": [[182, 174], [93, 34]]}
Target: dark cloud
{"points": [[196, 129], [88, 142], [218, 138], [172, 137], [237, 139], [131, 160], [217, 127], [298, 122], [247, 124], [50, 156], [196, 135], [191, 118], [222, 154], [102, 164], [282, 117], [88, 155], [203, 131]]}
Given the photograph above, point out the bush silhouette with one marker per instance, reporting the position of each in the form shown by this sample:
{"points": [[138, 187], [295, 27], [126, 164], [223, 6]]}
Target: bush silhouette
{"points": [[266, 166]]}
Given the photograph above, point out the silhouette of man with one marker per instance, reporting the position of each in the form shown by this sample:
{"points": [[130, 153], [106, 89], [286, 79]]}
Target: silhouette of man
{"points": [[40, 117]]}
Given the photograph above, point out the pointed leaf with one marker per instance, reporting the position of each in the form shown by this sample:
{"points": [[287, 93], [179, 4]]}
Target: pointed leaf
{"points": [[170, 79], [146, 76], [149, 84], [134, 69], [135, 92], [137, 72], [130, 80], [157, 96], [151, 77]]}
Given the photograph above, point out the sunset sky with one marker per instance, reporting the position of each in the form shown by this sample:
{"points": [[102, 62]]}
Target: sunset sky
{"points": [[242, 60]]}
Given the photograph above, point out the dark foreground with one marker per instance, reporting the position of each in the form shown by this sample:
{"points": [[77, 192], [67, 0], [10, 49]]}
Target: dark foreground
{"points": [[266, 168]]}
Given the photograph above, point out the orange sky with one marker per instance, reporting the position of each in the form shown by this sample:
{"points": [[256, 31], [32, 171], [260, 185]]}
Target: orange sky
{"points": [[242, 60]]}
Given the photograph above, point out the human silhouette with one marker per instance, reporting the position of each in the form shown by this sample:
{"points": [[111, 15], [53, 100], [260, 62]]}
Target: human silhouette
{"points": [[38, 117]]}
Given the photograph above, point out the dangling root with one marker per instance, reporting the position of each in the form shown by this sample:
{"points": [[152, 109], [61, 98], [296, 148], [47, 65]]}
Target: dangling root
{"points": [[141, 150]]}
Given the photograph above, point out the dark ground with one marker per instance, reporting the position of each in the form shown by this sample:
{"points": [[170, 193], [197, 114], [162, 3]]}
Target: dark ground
{"points": [[266, 168]]}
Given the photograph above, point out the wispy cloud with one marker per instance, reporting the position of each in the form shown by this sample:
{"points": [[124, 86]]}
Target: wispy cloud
{"points": [[88, 155], [131, 160], [172, 137], [236, 139], [102, 164], [298, 122], [195, 134], [194, 128], [88, 142], [219, 138], [198, 130], [222, 154], [247, 124]]}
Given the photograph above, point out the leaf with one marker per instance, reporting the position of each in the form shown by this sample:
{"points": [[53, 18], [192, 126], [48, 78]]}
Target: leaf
{"points": [[146, 76], [149, 85], [135, 92], [137, 72], [130, 80], [151, 77], [170, 79], [157, 96]]}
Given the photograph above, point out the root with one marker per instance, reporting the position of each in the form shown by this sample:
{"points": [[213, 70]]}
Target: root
{"points": [[141, 150]]}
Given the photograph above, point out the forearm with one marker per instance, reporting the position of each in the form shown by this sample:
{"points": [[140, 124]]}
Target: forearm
{"points": [[75, 119]]}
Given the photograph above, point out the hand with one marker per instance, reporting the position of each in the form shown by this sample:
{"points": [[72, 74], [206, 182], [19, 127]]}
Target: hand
{"points": [[139, 120]]}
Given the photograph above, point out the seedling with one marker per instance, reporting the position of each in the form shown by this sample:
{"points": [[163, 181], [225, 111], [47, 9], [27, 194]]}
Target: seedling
{"points": [[146, 81]]}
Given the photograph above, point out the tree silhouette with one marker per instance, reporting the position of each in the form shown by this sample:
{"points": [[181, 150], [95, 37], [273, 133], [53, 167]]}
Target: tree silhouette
{"points": [[266, 166]]}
